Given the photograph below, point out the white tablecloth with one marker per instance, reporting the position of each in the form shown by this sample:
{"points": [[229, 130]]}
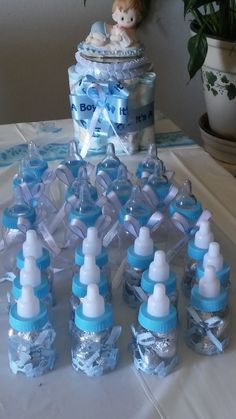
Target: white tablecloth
{"points": [[200, 388]]}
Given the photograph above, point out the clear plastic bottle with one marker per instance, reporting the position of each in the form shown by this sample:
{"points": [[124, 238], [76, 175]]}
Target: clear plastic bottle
{"points": [[155, 336], [30, 337], [160, 185], [30, 275], [159, 272], [68, 169], [108, 167], [147, 166], [32, 246], [184, 211], [84, 211], [89, 274], [139, 257], [197, 248], [214, 258], [74, 188], [16, 220], [94, 350], [25, 176], [92, 245], [208, 321], [34, 161], [136, 209], [122, 186]]}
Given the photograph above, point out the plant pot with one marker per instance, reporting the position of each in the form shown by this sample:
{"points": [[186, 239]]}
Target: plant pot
{"points": [[221, 149], [219, 82]]}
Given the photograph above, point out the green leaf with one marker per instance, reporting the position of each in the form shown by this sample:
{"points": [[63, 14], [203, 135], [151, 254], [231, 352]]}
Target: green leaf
{"points": [[211, 78], [231, 89], [224, 79], [197, 48], [192, 5], [215, 93]]}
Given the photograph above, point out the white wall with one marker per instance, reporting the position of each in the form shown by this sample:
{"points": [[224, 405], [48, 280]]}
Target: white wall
{"points": [[38, 40]]}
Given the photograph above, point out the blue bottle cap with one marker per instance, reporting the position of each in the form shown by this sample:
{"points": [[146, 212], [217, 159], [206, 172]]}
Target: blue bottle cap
{"points": [[159, 182], [148, 285], [42, 262], [33, 324], [94, 324], [223, 274], [208, 304], [71, 191], [73, 161], [80, 290], [137, 261], [41, 291], [136, 207], [101, 259], [195, 252], [157, 324], [11, 215]]}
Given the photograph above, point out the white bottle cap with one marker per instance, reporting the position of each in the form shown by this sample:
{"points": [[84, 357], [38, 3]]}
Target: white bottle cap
{"points": [[89, 271], [143, 245], [203, 236], [92, 244], [209, 284], [32, 245], [93, 304], [28, 304], [30, 274], [213, 257], [158, 304], [159, 270]]}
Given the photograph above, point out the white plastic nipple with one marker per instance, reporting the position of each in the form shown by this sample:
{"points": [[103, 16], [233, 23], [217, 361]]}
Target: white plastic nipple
{"points": [[159, 269], [203, 236], [32, 245], [89, 271], [213, 257], [93, 304], [209, 284], [28, 304], [158, 304], [92, 244], [30, 274], [143, 245]]}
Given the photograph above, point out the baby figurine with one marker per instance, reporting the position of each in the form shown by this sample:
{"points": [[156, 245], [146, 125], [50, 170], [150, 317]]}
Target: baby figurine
{"points": [[127, 14]]}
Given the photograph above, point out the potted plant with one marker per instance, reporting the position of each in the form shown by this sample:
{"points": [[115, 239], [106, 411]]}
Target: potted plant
{"points": [[212, 48]]}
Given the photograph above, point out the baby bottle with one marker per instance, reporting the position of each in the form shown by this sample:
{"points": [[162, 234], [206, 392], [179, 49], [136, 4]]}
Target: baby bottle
{"points": [[155, 336], [107, 169], [139, 257], [94, 351], [159, 272], [92, 245], [76, 184], [16, 220], [208, 322], [31, 275], [32, 246], [30, 337], [147, 166], [196, 250], [214, 258], [89, 274]]}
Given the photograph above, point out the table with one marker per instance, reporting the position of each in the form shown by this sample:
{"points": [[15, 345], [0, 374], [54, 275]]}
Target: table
{"points": [[200, 387]]}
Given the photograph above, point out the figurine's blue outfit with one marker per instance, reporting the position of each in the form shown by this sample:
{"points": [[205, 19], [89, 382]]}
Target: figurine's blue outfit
{"points": [[99, 27]]}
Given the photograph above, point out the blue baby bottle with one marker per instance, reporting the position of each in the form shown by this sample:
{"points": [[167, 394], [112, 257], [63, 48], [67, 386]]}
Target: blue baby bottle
{"points": [[155, 335], [107, 169], [30, 336], [94, 350]]}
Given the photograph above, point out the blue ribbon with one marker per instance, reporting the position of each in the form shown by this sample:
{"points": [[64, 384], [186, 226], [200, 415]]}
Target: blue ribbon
{"points": [[112, 96]]}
